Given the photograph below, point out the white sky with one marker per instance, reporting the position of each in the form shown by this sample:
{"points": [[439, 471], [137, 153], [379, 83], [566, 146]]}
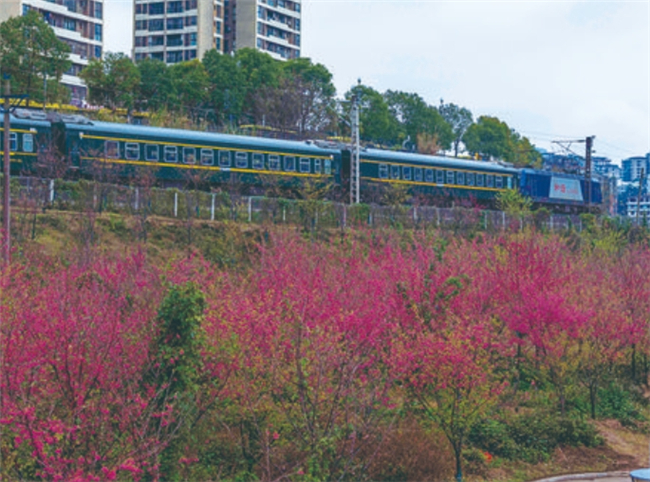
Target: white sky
{"points": [[551, 69]]}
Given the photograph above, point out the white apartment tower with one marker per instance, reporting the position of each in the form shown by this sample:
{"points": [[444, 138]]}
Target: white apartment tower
{"points": [[79, 23], [271, 26], [177, 30]]}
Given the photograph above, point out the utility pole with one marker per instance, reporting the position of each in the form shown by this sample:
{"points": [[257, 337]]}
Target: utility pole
{"points": [[589, 141], [6, 216], [638, 199], [6, 211], [355, 186]]}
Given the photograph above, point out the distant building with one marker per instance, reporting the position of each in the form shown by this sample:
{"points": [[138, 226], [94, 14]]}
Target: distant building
{"points": [[79, 23], [179, 30], [631, 167], [569, 163], [606, 168], [271, 26]]}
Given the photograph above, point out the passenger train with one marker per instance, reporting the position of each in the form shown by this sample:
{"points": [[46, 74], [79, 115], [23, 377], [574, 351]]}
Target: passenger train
{"points": [[37, 138]]}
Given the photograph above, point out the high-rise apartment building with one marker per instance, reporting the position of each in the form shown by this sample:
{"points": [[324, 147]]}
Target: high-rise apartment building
{"points": [[79, 23], [272, 26], [632, 166], [177, 30]]}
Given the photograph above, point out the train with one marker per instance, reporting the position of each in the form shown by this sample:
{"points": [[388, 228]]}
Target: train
{"points": [[40, 140]]}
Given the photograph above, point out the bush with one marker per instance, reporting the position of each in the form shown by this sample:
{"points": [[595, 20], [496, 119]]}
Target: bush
{"points": [[532, 438]]}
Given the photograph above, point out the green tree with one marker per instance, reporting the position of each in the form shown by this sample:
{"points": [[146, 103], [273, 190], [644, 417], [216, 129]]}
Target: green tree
{"points": [[112, 82], [191, 87], [377, 124], [459, 118], [30, 52], [156, 88], [313, 91], [260, 72], [415, 118], [226, 86]]}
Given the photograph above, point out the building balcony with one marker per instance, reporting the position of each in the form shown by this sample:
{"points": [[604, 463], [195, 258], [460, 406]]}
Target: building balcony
{"points": [[61, 10], [78, 59], [72, 80]]}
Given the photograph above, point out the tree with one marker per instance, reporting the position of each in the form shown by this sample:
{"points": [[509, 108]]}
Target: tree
{"points": [[112, 82], [30, 52], [259, 71], [155, 89], [415, 118], [492, 137], [190, 81], [227, 86], [374, 115], [312, 91], [459, 118]]}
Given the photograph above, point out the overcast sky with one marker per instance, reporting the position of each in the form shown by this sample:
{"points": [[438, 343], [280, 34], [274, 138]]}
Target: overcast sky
{"points": [[552, 70]]}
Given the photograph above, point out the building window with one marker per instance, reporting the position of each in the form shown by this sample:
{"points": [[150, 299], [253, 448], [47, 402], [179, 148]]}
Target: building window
{"points": [[190, 54], [191, 5], [69, 24], [132, 151], [218, 45], [157, 8], [156, 40], [174, 40], [218, 27], [98, 10], [141, 25], [383, 171], [190, 21], [174, 57], [207, 157], [175, 23], [98, 52], [156, 25], [175, 7]]}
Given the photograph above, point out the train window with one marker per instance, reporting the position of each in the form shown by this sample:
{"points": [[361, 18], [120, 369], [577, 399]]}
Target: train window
{"points": [[13, 141], [428, 175], [317, 166], [394, 171], [171, 154], [489, 180], [224, 159], [274, 163], [207, 157], [258, 161], [509, 182], [151, 152], [440, 177], [450, 177], [241, 160], [479, 180], [383, 171], [305, 165], [417, 174], [112, 149], [189, 155], [406, 172], [328, 166], [289, 163], [470, 178], [498, 182], [460, 178], [132, 151], [28, 143]]}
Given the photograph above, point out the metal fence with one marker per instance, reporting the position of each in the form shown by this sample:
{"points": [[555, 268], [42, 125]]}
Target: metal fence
{"points": [[221, 206]]}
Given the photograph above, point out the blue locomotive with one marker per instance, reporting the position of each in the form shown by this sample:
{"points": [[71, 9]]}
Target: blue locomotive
{"points": [[173, 154]]}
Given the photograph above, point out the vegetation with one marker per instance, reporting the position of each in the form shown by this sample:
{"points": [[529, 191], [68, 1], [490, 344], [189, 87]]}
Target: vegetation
{"points": [[316, 354]]}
